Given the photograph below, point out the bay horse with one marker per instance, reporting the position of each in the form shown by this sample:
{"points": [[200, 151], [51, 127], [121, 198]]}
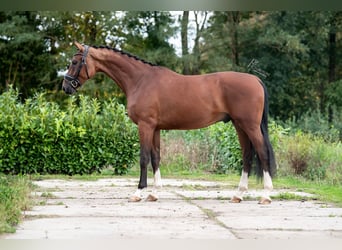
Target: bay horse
{"points": [[161, 99]]}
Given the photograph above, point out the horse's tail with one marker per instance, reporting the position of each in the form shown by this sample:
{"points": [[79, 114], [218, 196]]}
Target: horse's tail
{"points": [[268, 147]]}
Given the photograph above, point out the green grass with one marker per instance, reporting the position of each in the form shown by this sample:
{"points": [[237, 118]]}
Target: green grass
{"points": [[291, 196], [324, 191], [14, 197], [86, 177]]}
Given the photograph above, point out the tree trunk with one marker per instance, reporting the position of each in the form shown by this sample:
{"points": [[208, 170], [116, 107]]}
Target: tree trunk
{"points": [[332, 60], [184, 38], [332, 52], [233, 22], [196, 50]]}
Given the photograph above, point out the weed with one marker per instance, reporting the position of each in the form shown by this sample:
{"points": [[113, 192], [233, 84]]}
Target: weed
{"points": [[42, 203], [48, 195], [289, 196], [311, 157], [14, 197]]}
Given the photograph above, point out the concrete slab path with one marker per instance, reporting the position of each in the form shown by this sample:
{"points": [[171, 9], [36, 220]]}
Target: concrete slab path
{"points": [[187, 209]]}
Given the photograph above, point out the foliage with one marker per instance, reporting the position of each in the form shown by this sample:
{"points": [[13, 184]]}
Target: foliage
{"points": [[310, 156], [14, 197], [334, 93], [38, 137], [225, 148], [297, 53], [327, 125], [146, 34], [215, 148], [25, 61]]}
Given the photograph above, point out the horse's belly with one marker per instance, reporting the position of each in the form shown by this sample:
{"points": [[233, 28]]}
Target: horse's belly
{"points": [[190, 120]]}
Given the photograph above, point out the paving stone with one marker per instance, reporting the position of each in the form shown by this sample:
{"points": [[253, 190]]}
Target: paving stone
{"points": [[187, 209]]}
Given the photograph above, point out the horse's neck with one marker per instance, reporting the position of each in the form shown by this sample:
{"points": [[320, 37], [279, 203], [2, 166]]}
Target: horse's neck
{"points": [[125, 71]]}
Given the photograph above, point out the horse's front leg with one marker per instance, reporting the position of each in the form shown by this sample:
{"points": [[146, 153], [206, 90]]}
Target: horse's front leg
{"points": [[155, 159], [146, 137]]}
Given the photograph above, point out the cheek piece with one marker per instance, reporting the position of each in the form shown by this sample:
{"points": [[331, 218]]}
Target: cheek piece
{"points": [[73, 80]]}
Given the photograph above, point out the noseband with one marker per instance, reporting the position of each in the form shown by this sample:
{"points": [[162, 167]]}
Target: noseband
{"points": [[74, 81]]}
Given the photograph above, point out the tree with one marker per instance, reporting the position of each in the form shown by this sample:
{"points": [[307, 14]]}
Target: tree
{"points": [[146, 34], [222, 44], [234, 18], [24, 57], [302, 48], [184, 38]]}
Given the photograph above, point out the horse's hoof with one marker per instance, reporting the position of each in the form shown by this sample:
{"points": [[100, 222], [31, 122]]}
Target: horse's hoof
{"points": [[265, 201], [236, 199], [134, 198], [152, 197]]}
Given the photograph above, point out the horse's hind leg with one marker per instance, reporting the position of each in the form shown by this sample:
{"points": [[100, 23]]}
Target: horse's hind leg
{"points": [[258, 142], [247, 154], [155, 159]]}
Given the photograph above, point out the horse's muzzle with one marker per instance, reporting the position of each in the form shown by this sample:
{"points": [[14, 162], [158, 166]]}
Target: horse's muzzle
{"points": [[68, 88]]}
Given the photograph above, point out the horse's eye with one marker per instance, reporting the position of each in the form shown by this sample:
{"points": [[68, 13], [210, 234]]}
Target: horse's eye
{"points": [[68, 66], [74, 62]]}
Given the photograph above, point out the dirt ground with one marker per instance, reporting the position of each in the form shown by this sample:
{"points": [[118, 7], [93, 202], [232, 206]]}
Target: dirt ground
{"points": [[71, 209]]}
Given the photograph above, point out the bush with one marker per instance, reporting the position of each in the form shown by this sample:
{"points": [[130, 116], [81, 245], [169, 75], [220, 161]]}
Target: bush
{"points": [[311, 157], [312, 147], [298, 152], [327, 125], [38, 137], [215, 149], [225, 148]]}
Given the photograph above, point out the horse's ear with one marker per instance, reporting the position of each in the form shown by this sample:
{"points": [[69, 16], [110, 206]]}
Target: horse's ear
{"points": [[79, 46]]}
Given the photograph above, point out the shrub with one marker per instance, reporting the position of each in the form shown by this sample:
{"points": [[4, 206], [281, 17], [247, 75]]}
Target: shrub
{"points": [[215, 149], [225, 148], [326, 125], [311, 157], [38, 137], [298, 152]]}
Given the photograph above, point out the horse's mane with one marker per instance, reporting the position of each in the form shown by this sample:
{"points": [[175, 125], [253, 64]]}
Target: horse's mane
{"points": [[124, 53]]}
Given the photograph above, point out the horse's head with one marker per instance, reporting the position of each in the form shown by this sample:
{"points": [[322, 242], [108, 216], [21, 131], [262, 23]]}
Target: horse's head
{"points": [[78, 71]]}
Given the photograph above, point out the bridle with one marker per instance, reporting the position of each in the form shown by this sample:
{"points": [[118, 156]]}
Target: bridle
{"points": [[73, 80]]}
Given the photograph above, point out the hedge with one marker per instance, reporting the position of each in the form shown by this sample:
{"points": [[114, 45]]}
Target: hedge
{"points": [[86, 136]]}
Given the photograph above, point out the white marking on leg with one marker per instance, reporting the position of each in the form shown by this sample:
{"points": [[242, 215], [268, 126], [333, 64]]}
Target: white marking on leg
{"points": [[138, 193], [243, 187], [268, 187], [136, 196], [157, 185], [157, 179], [267, 181]]}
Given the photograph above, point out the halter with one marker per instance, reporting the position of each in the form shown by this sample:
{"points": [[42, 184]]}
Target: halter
{"points": [[74, 81]]}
